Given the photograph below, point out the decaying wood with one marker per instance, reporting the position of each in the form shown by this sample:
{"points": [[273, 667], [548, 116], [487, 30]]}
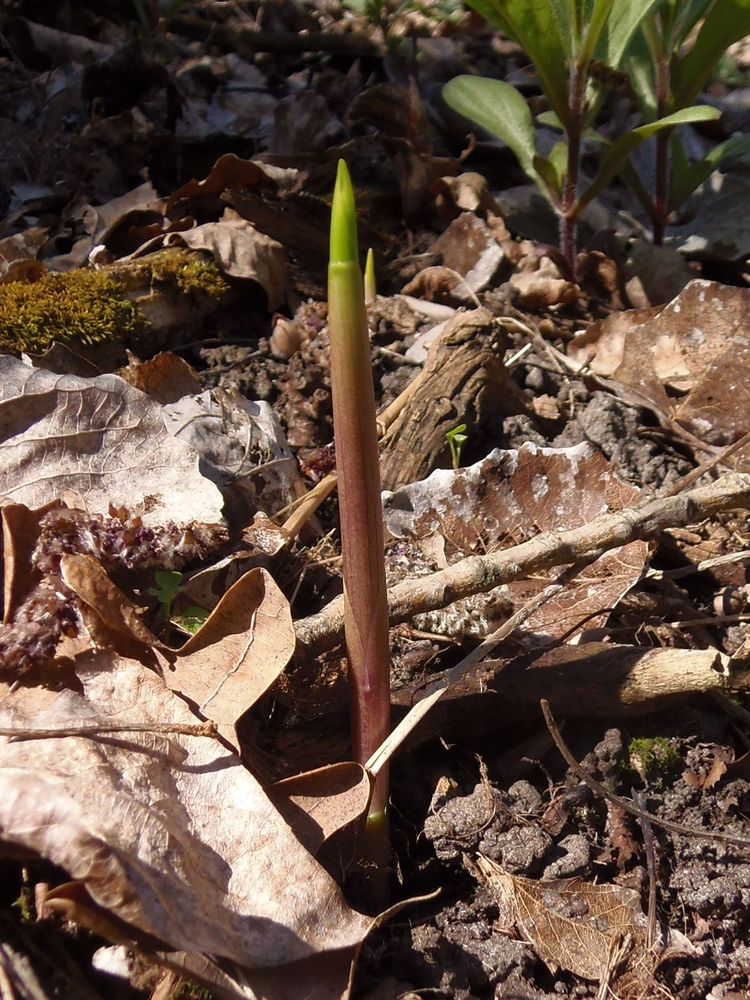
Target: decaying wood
{"points": [[463, 381], [598, 680], [481, 573]]}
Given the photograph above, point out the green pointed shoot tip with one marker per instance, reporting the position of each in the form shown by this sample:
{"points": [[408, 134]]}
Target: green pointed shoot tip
{"points": [[371, 288], [343, 220]]}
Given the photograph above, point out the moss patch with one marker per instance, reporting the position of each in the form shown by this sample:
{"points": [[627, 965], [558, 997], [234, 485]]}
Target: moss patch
{"points": [[84, 307], [93, 307]]}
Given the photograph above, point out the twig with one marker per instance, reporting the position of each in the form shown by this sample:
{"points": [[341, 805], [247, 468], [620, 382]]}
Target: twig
{"points": [[626, 804], [648, 845], [479, 574], [184, 729]]}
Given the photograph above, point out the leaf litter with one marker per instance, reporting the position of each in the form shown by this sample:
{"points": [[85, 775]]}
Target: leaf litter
{"points": [[171, 466]]}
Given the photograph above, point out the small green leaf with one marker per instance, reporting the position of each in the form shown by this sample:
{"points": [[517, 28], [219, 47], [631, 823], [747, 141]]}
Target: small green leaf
{"points": [[552, 170], [500, 109], [727, 21], [619, 151], [167, 584], [191, 619], [685, 179]]}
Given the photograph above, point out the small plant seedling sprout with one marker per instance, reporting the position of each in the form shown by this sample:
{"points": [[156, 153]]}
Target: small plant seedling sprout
{"points": [[360, 515], [456, 439], [371, 286], [166, 587]]}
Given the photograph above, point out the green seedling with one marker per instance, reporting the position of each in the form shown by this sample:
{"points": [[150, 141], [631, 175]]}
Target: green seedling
{"points": [[371, 286], [565, 40], [166, 587], [672, 56], [456, 440], [360, 510]]}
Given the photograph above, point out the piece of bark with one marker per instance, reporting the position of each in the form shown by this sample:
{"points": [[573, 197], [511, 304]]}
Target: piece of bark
{"points": [[463, 381]]}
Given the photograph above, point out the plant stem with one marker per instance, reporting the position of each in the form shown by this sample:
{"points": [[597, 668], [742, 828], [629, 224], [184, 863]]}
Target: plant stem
{"points": [[661, 177], [577, 77], [361, 514]]}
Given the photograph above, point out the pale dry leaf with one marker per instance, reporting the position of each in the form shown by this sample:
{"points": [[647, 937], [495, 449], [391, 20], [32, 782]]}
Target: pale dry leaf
{"points": [[512, 495], [242, 447], [698, 344], [99, 437], [238, 249], [239, 652], [171, 835]]}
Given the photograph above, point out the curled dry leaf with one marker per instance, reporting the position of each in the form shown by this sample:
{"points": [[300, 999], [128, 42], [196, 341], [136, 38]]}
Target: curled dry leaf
{"points": [[99, 437], [172, 836], [512, 493], [238, 249], [242, 447], [319, 803]]}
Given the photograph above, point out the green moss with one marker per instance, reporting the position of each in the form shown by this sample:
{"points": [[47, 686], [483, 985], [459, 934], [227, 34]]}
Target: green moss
{"points": [[84, 307], [653, 757], [190, 273], [93, 307]]}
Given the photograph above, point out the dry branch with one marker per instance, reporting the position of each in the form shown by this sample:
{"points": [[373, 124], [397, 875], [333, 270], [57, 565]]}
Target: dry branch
{"points": [[479, 574]]}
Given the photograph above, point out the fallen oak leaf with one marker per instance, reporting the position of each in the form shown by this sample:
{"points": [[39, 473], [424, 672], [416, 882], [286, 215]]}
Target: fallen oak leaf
{"points": [[241, 649], [184, 850]]}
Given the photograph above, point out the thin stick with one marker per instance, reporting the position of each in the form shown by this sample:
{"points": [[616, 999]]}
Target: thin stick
{"points": [[648, 846], [183, 729], [626, 804], [481, 573]]}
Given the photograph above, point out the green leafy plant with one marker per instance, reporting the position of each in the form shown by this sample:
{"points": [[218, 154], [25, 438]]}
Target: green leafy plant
{"points": [[564, 39], [360, 509], [672, 56], [166, 587], [456, 439]]}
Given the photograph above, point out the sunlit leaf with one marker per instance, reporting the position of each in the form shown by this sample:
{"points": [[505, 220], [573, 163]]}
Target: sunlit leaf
{"points": [[617, 154], [534, 26]]}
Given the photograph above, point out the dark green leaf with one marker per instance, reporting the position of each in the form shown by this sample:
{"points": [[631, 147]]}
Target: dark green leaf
{"points": [[500, 109], [618, 153], [726, 22], [686, 179]]}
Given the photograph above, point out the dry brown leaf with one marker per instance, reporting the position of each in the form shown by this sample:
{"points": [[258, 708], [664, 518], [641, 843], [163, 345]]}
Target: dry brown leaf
{"points": [[573, 924], [171, 835], [165, 378], [319, 803], [234, 658], [99, 437], [698, 344], [468, 248], [513, 494], [238, 249], [20, 534], [225, 667]]}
